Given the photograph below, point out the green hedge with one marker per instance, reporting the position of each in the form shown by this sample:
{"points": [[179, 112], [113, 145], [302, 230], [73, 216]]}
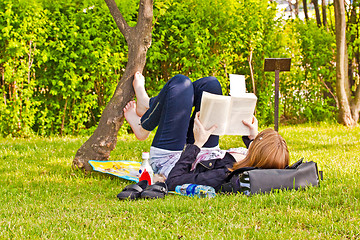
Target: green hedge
{"points": [[61, 60]]}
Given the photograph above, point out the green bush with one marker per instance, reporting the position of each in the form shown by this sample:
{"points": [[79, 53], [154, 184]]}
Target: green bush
{"points": [[197, 39], [60, 61], [308, 87], [77, 57]]}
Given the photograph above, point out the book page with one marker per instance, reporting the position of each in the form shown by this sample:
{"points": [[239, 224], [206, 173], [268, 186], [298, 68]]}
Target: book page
{"points": [[242, 108], [214, 110]]}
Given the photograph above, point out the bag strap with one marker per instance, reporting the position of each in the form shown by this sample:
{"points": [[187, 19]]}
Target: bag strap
{"points": [[295, 165], [298, 163], [238, 171]]}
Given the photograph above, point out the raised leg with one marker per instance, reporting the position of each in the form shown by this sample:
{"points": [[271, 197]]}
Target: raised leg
{"points": [[207, 84], [141, 95], [170, 111], [134, 121]]}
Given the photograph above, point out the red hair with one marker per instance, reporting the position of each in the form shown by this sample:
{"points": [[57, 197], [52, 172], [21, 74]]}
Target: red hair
{"points": [[268, 150]]}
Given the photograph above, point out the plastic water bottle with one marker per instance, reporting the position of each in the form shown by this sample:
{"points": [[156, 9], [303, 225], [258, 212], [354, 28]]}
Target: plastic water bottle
{"points": [[146, 172], [192, 190]]}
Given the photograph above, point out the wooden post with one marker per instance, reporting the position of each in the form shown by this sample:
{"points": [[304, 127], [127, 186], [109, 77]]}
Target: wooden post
{"points": [[278, 65]]}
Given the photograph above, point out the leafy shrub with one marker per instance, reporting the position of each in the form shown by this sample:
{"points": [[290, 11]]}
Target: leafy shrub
{"points": [[308, 87], [60, 61]]}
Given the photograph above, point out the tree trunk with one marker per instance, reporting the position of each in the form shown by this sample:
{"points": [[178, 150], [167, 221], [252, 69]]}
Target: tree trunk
{"points": [[347, 105], [291, 7], [317, 12], [297, 8], [138, 38], [323, 10], [352, 22], [305, 10]]}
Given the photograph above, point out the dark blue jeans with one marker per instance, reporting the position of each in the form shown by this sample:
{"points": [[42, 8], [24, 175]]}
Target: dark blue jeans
{"points": [[171, 109]]}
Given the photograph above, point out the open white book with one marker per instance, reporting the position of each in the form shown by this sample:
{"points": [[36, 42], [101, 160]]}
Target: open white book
{"points": [[227, 112]]}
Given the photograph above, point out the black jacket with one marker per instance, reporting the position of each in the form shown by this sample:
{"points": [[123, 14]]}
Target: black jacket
{"points": [[210, 173]]}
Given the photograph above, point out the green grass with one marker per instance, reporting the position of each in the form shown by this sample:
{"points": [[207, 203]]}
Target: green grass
{"points": [[43, 197]]}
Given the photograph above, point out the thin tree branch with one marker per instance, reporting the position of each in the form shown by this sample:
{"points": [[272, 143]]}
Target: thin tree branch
{"points": [[31, 60], [2, 69], [291, 7], [332, 28], [63, 118], [251, 70], [119, 19], [332, 94]]}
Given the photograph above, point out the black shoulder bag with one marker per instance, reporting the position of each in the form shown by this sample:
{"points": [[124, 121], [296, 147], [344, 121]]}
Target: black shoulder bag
{"points": [[255, 180]]}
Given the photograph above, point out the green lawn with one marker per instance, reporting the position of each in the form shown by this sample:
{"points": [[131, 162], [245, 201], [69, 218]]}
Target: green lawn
{"points": [[43, 197]]}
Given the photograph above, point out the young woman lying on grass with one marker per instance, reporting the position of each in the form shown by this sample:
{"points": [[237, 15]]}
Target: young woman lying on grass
{"points": [[201, 162], [267, 150]]}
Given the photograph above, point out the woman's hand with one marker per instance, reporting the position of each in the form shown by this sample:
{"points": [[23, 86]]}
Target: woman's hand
{"points": [[201, 135], [253, 126]]}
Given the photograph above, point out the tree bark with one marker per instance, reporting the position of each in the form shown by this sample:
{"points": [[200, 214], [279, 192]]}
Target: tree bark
{"points": [[305, 10], [138, 38], [347, 105], [291, 7], [323, 10], [297, 8], [352, 21], [317, 12]]}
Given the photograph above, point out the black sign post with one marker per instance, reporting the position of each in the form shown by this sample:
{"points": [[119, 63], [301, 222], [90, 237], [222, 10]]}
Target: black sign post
{"points": [[277, 65]]}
